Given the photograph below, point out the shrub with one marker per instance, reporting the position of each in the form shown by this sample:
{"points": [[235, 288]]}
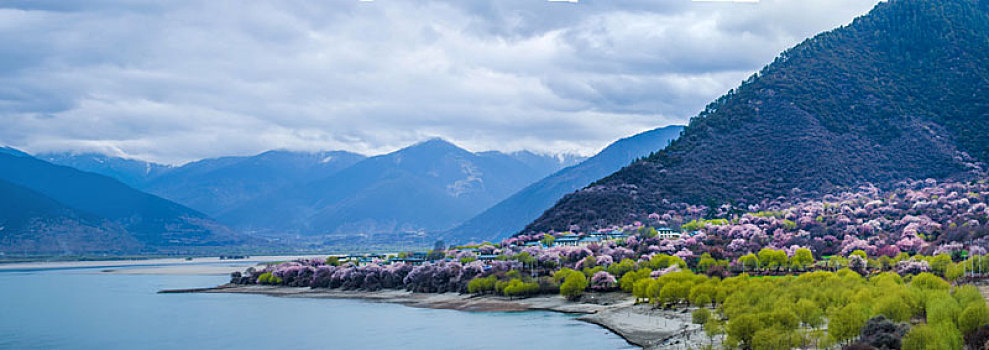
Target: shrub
{"points": [[268, 278], [517, 288], [974, 316], [481, 285], [700, 316], [627, 282], [742, 328], [923, 337], [929, 281], [574, 284]]}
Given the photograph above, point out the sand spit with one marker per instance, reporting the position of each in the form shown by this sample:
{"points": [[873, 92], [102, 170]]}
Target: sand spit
{"points": [[640, 325]]}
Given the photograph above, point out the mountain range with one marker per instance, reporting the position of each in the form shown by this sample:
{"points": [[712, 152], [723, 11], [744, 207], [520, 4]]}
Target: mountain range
{"points": [[132, 172], [216, 186], [424, 188], [55, 209], [900, 93], [212, 185], [512, 214]]}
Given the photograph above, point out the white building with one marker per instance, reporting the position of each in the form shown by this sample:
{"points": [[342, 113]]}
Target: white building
{"points": [[667, 233]]}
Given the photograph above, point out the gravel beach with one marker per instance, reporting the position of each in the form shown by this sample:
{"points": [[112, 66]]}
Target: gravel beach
{"points": [[641, 325]]}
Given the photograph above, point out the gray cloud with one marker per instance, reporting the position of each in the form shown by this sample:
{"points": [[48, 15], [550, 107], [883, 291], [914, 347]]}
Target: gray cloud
{"points": [[183, 80]]}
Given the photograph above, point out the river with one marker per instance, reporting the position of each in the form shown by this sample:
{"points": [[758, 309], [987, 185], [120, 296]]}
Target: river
{"points": [[86, 309]]}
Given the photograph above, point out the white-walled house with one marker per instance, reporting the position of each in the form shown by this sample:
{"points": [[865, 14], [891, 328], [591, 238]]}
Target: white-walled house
{"points": [[667, 233]]}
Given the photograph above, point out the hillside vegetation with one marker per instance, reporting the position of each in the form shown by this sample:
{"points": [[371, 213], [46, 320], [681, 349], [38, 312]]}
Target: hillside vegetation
{"points": [[900, 93]]}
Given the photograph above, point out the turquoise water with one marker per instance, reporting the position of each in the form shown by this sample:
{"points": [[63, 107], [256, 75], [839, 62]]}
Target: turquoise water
{"points": [[82, 309]]}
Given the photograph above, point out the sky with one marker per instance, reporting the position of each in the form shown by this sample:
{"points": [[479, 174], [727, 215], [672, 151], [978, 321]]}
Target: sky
{"points": [[183, 80]]}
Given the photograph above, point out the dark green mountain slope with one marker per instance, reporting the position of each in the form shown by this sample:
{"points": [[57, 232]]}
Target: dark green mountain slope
{"points": [[902, 92]]}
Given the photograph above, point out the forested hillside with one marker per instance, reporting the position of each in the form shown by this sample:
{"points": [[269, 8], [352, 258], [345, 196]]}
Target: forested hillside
{"points": [[899, 93]]}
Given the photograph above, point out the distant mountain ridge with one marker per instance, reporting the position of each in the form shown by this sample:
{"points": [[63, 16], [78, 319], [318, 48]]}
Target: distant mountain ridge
{"points": [[427, 187], [134, 173], [212, 185], [51, 208], [436, 183], [217, 185], [902, 92], [13, 151], [512, 214]]}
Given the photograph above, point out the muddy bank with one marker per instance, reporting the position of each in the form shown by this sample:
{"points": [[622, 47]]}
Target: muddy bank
{"points": [[640, 325]]}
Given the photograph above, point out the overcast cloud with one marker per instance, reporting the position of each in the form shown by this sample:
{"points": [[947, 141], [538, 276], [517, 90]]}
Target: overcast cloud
{"points": [[185, 80]]}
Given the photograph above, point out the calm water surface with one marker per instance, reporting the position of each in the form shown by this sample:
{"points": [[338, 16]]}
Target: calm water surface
{"points": [[82, 309]]}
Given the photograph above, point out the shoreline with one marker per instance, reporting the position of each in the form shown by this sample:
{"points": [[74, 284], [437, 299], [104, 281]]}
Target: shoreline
{"points": [[639, 325]]}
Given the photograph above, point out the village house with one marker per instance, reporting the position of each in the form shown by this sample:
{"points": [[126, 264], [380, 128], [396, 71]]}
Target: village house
{"points": [[487, 257], [667, 233], [614, 235], [617, 236], [600, 235], [409, 260], [588, 240], [570, 240]]}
